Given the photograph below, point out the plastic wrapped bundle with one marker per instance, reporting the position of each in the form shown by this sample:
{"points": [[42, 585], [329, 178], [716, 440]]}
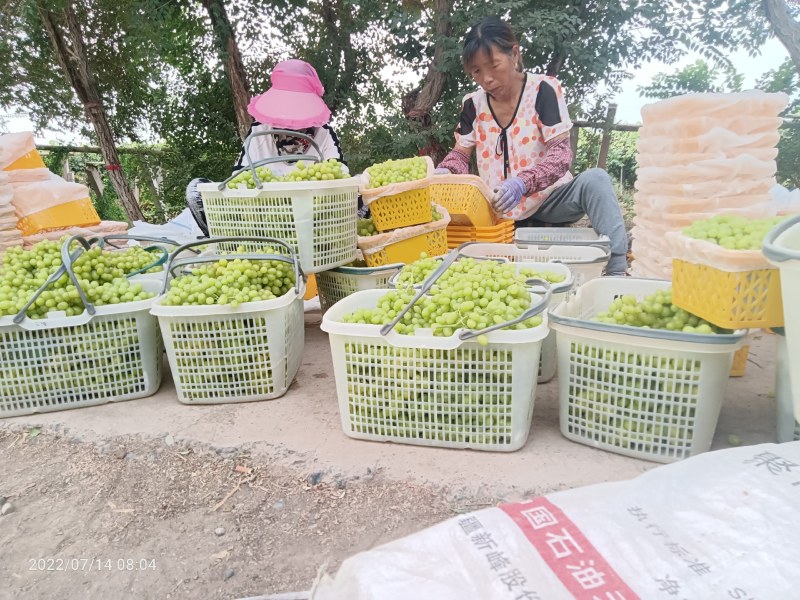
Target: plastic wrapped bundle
{"points": [[700, 155]]}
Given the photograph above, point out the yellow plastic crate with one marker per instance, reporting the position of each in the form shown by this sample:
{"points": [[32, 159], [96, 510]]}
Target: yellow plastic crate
{"points": [[502, 233], [733, 300], [434, 243], [311, 287], [78, 213], [465, 202], [31, 160], [412, 207], [740, 361]]}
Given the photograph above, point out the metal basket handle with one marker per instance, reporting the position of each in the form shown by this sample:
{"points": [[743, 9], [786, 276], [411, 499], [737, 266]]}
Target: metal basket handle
{"points": [[175, 262], [532, 311], [143, 238], [64, 269], [274, 159], [771, 251]]}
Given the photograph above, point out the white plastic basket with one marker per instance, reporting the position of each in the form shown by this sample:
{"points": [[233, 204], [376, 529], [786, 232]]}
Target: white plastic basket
{"points": [[339, 283], [560, 236], [645, 393], [782, 249], [432, 391], [64, 362], [316, 218], [788, 428], [585, 262], [220, 354]]}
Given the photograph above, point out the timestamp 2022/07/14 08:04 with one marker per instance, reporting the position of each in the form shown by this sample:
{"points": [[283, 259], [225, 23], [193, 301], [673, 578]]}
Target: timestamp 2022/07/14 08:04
{"points": [[91, 564]]}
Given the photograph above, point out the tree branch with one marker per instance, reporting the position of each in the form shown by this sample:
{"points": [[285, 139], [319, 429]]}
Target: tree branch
{"points": [[786, 29]]}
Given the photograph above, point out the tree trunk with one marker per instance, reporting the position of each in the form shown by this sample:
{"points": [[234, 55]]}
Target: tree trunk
{"points": [[68, 46], [418, 104], [555, 64], [232, 59], [786, 29]]}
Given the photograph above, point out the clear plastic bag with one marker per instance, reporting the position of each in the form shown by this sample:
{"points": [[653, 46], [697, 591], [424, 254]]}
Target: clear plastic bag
{"points": [[754, 103], [705, 253]]}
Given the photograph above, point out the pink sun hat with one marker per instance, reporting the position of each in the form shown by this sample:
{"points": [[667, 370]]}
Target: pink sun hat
{"points": [[295, 99]]}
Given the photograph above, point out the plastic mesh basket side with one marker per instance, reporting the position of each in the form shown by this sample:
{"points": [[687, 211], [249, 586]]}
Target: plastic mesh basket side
{"points": [[643, 393], [111, 358], [334, 285], [412, 207], [745, 299], [469, 397], [319, 221], [466, 203], [235, 357]]}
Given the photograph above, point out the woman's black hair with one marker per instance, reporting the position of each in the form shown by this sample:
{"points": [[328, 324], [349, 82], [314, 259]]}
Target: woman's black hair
{"points": [[490, 34]]}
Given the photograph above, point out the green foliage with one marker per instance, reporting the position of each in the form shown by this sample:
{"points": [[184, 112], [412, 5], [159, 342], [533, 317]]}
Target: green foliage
{"points": [[159, 71], [787, 80], [696, 77]]}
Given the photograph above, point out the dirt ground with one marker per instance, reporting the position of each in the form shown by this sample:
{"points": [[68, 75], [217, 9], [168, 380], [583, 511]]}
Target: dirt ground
{"points": [[139, 519]]}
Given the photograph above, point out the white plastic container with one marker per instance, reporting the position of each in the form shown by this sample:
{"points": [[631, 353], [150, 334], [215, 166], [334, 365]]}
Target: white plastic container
{"points": [[782, 249], [317, 218], [585, 262], [220, 354], [340, 282], [560, 236], [64, 362], [646, 393], [432, 391], [788, 428]]}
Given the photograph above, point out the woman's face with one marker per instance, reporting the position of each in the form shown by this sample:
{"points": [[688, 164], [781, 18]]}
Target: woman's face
{"points": [[495, 71], [289, 144]]}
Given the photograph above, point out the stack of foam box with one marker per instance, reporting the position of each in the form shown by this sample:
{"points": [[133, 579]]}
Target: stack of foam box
{"points": [[36, 204], [9, 234], [701, 155]]}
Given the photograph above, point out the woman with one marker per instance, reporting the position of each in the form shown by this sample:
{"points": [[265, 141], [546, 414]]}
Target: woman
{"points": [[518, 124], [294, 102]]}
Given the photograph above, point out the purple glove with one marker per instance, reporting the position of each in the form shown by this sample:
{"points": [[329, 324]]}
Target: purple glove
{"points": [[441, 171], [508, 195]]}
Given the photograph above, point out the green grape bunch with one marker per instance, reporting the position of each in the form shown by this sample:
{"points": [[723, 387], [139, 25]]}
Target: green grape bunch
{"points": [[101, 274], [471, 294], [366, 227], [231, 281], [733, 232], [548, 276], [397, 171], [322, 171], [656, 311]]}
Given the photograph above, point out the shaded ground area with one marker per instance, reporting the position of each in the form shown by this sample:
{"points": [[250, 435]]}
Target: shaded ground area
{"points": [[194, 524]]}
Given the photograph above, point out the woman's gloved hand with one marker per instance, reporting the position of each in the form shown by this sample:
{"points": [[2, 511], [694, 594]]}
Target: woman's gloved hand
{"points": [[441, 171], [508, 195]]}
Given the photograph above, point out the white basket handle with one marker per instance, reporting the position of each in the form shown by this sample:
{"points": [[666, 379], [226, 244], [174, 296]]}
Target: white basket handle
{"points": [[532, 311], [157, 247], [67, 259], [175, 262]]}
